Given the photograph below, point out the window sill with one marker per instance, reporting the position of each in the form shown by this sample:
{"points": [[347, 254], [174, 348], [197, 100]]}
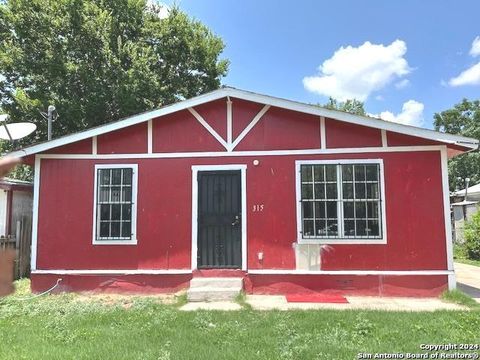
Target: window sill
{"points": [[342, 241], [115, 242]]}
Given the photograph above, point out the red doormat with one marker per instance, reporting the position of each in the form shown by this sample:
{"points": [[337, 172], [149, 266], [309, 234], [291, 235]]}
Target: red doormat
{"points": [[317, 298]]}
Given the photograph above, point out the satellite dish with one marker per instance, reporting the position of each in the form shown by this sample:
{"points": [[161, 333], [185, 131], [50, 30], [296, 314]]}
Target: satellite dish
{"points": [[15, 131]]}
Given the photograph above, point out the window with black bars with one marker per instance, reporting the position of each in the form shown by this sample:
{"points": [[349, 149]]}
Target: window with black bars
{"points": [[341, 201], [114, 204]]}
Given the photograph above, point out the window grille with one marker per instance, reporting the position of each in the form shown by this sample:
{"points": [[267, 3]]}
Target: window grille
{"points": [[114, 203], [341, 201]]}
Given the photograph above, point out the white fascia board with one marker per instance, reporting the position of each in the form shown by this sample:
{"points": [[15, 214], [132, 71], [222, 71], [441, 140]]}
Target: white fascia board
{"points": [[133, 120], [262, 99], [356, 119]]}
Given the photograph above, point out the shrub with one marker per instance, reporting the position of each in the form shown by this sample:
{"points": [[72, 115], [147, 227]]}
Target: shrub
{"points": [[472, 237]]}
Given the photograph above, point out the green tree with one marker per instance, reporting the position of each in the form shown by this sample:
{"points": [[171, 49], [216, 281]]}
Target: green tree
{"points": [[462, 119], [472, 237], [99, 61], [352, 106]]}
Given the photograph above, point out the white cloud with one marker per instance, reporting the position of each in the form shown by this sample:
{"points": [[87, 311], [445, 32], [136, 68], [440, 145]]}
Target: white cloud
{"points": [[475, 50], [411, 114], [356, 72], [162, 10], [471, 76], [402, 84]]}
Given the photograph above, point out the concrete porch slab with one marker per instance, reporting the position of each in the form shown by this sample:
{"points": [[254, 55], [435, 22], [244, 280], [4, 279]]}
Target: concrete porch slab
{"points": [[269, 302], [215, 305], [468, 280]]}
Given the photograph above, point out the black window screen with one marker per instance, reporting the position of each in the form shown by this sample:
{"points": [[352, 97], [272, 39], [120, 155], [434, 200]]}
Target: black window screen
{"points": [[341, 200], [114, 204]]}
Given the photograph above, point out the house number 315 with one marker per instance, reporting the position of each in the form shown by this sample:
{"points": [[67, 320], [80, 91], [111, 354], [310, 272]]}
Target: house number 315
{"points": [[257, 208]]}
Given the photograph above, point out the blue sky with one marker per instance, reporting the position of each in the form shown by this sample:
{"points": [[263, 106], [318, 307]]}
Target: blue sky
{"points": [[405, 73]]}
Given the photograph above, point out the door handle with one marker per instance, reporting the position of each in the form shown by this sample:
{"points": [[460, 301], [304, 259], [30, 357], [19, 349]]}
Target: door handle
{"points": [[236, 221]]}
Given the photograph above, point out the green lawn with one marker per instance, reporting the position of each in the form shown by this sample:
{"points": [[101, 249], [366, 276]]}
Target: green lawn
{"points": [[69, 327], [460, 255]]}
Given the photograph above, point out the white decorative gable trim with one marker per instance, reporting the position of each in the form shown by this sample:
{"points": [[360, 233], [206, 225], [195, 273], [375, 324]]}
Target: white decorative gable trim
{"points": [[266, 100]]}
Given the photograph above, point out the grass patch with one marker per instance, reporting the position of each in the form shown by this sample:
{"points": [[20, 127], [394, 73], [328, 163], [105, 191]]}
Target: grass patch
{"points": [[70, 326], [241, 299], [460, 255], [459, 297], [181, 299]]}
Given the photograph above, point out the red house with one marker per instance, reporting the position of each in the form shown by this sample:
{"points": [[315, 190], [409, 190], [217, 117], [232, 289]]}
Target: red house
{"points": [[287, 195]]}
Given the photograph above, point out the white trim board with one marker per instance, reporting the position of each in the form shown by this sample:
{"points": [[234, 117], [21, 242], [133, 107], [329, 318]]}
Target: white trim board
{"points": [[113, 272], [94, 145], [150, 136], [384, 138], [230, 144], [245, 153], [452, 284], [207, 126], [320, 240], [229, 121], [262, 99], [250, 126], [323, 133], [252, 271], [195, 170], [133, 240], [36, 194], [350, 272]]}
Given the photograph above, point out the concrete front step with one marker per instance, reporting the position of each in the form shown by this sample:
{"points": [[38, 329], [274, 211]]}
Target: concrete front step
{"points": [[212, 294], [214, 289], [220, 282]]}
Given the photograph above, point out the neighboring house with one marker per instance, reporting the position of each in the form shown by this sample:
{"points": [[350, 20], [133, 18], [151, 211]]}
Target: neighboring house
{"points": [[463, 209], [16, 202], [288, 195], [473, 193]]}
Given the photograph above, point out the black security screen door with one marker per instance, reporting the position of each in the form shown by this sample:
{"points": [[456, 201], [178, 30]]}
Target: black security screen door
{"points": [[219, 219]]}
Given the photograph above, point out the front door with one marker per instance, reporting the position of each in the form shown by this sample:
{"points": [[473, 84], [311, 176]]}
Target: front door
{"points": [[219, 219]]}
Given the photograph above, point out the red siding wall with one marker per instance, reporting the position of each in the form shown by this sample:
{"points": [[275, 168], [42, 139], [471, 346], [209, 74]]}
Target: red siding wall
{"points": [[215, 114], [181, 132], [79, 147], [243, 113], [345, 135], [129, 140], [368, 285], [413, 187], [281, 129], [413, 205], [397, 139], [114, 284]]}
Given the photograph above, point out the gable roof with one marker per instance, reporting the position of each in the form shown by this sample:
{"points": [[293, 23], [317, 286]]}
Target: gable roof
{"points": [[464, 142], [15, 184]]}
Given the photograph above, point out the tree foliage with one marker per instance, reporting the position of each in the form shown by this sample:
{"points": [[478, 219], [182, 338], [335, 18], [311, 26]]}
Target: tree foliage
{"points": [[352, 106], [462, 119], [98, 61], [472, 237]]}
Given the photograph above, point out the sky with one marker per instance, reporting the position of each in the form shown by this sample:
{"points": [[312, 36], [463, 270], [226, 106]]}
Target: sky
{"points": [[405, 59]]}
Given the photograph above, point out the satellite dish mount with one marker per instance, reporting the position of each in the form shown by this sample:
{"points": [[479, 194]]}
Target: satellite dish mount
{"points": [[51, 116]]}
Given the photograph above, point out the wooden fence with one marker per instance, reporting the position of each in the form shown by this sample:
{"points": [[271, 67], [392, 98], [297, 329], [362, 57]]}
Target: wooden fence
{"points": [[21, 243]]}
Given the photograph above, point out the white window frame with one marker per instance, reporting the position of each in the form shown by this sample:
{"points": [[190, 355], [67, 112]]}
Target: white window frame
{"points": [[324, 240], [243, 171], [133, 239]]}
